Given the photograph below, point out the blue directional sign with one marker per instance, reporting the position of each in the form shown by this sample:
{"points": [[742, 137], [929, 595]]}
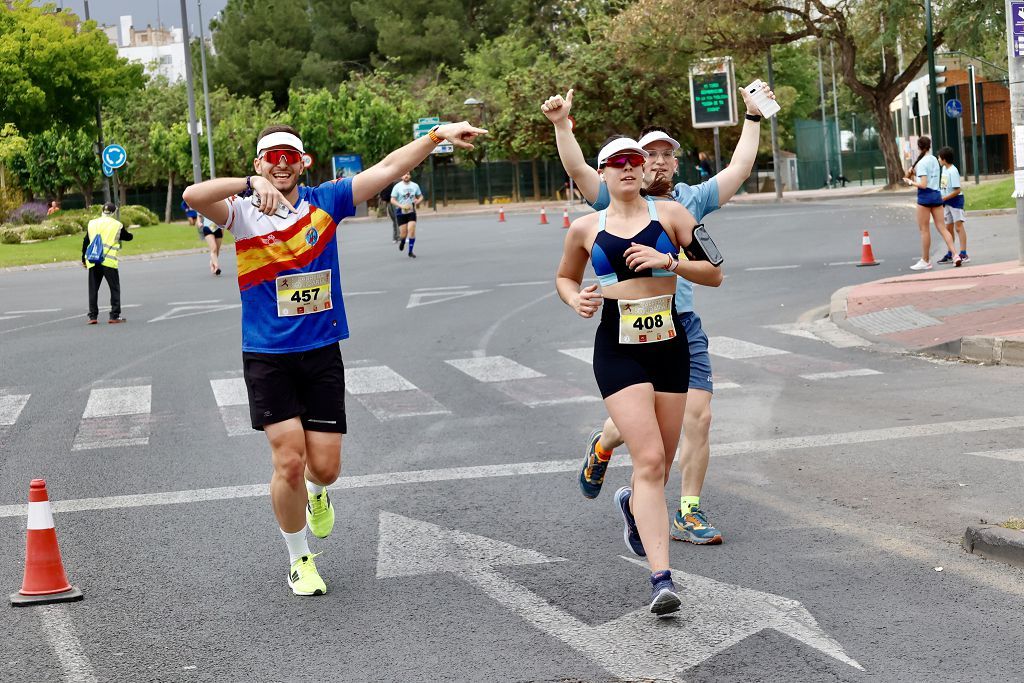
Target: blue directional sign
{"points": [[107, 171], [114, 156], [954, 109]]}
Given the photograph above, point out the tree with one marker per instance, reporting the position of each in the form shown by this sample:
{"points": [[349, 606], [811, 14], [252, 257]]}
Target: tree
{"points": [[54, 74], [172, 150], [865, 34], [76, 158], [417, 33]]}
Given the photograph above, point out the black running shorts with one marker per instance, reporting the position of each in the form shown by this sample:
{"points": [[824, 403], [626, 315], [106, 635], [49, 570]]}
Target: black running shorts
{"points": [[404, 218], [665, 364], [308, 384]]}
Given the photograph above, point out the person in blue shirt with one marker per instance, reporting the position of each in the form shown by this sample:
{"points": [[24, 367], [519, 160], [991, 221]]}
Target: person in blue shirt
{"points": [[952, 204], [926, 178], [690, 522], [191, 214]]}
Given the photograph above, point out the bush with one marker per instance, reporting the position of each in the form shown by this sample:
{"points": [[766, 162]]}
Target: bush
{"points": [[10, 199], [9, 236], [80, 216], [31, 213], [133, 214], [42, 232], [66, 226]]}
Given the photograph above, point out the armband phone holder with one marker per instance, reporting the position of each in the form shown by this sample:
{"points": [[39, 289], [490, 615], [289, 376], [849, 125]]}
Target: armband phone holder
{"points": [[703, 248]]}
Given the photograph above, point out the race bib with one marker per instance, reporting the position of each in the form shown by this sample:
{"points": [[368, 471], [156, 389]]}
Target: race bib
{"points": [[646, 321], [303, 293]]}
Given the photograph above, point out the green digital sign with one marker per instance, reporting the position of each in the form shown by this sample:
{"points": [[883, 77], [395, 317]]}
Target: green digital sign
{"points": [[712, 100]]}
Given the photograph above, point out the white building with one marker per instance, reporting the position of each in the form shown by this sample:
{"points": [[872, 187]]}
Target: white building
{"points": [[160, 50]]}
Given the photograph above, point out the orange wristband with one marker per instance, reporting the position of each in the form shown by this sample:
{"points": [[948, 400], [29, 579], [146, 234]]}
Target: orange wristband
{"points": [[434, 137]]}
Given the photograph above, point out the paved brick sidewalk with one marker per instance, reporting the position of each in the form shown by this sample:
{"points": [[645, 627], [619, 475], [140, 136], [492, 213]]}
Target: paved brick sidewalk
{"points": [[976, 313]]}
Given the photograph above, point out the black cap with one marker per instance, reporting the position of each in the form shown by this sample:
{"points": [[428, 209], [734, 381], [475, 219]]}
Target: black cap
{"points": [[109, 207]]}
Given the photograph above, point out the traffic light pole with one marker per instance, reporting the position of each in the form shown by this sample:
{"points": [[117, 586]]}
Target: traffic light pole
{"points": [[934, 113]]}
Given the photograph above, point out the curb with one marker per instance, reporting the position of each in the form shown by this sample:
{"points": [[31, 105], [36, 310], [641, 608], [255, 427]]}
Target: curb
{"points": [[995, 543], [989, 212]]}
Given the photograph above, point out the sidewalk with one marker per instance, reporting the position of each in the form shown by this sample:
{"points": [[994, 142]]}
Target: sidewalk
{"points": [[974, 313]]}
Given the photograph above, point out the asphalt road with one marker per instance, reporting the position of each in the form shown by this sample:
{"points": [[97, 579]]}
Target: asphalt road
{"points": [[842, 478]]}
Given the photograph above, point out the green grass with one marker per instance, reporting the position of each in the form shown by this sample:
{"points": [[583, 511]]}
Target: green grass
{"points": [[161, 237], [991, 194], [1013, 523]]}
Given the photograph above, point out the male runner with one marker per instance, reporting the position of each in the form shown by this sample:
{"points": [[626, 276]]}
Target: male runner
{"points": [[690, 522], [293, 317], [405, 197]]}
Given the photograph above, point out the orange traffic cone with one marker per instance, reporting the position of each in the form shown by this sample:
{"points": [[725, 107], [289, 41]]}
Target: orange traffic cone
{"points": [[867, 257], [501, 214], [45, 580], [565, 218], [543, 216]]}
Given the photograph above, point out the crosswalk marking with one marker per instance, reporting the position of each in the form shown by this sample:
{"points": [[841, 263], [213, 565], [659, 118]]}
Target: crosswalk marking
{"points": [[1011, 454], [232, 403], [493, 369], [388, 395], [11, 406], [583, 353], [737, 349], [822, 330], [839, 374], [116, 416]]}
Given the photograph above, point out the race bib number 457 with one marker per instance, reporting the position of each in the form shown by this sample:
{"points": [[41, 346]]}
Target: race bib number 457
{"points": [[303, 293], [645, 321]]}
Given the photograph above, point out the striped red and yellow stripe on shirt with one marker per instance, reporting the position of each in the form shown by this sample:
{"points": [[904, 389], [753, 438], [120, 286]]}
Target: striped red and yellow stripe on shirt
{"points": [[263, 257]]}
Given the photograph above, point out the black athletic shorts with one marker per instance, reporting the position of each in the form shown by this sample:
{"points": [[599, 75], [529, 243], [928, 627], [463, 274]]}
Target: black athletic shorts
{"points": [[664, 364], [404, 218], [307, 384], [218, 233]]}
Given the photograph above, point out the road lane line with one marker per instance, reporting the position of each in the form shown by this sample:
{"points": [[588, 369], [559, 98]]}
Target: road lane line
{"points": [[737, 349], [771, 268], [193, 303], [34, 310], [60, 633], [526, 468], [1011, 454], [839, 374], [59, 320], [440, 289], [525, 284]]}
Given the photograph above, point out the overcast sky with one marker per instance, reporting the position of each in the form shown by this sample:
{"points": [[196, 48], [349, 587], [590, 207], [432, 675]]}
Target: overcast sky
{"points": [[143, 11]]}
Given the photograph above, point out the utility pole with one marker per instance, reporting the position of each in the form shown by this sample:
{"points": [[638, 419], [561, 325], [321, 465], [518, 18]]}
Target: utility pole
{"points": [[776, 156], [934, 112], [197, 169], [1015, 58], [905, 108], [974, 121], [206, 93], [99, 134], [835, 106], [824, 125]]}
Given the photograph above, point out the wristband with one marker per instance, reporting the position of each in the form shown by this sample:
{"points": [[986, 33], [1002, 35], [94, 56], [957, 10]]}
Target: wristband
{"points": [[248, 187], [434, 137], [756, 118]]}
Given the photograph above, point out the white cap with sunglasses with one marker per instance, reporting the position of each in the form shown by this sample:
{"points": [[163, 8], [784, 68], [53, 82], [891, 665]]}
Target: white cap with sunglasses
{"points": [[618, 146], [279, 139]]}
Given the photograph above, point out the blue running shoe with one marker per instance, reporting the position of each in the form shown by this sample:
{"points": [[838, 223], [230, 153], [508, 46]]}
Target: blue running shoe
{"points": [[664, 598], [693, 527], [947, 259], [592, 472], [629, 532]]}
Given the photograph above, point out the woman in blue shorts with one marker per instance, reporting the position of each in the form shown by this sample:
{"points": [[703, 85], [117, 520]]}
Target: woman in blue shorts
{"points": [[926, 174]]}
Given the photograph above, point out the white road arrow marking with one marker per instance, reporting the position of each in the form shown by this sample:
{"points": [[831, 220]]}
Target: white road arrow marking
{"points": [[634, 646], [436, 297], [193, 309]]}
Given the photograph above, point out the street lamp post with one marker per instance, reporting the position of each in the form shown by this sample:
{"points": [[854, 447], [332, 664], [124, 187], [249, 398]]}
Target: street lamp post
{"points": [[197, 170], [206, 93], [473, 102]]}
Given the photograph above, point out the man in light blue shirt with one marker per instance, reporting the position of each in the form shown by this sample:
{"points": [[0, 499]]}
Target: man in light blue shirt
{"points": [[690, 522], [952, 204]]}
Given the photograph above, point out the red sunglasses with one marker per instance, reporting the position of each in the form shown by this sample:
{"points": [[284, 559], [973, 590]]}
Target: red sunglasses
{"points": [[274, 156], [623, 160]]}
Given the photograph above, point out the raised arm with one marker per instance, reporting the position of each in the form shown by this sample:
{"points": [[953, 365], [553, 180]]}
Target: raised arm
{"points": [[587, 179], [732, 177], [371, 181]]}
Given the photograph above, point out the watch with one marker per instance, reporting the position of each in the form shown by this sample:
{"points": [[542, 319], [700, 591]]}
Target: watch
{"points": [[756, 118], [434, 137]]}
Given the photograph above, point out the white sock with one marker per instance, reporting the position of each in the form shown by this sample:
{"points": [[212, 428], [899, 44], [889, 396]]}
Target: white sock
{"points": [[314, 488], [297, 545]]}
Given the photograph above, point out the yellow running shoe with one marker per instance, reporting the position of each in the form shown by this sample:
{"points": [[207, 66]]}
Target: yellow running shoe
{"points": [[320, 514], [304, 579]]}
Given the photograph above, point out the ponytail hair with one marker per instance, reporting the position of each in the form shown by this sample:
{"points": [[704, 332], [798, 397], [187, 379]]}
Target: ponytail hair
{"points": [[660, 186], [924, 143]]}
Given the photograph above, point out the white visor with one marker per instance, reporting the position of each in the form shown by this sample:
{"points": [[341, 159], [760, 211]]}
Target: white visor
{"points": [[281, 139], [658, 136], [617, 146]]}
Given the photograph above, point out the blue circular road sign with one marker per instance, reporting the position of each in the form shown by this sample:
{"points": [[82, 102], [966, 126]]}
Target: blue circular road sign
{"points": [[114, 156], [954, 109]]}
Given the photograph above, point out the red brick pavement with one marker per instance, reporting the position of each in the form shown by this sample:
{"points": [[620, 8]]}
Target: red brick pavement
{"points": [[942, 289]]}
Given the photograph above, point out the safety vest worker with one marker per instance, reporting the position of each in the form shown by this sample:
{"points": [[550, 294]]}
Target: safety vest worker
{"points": [[111, 233]]}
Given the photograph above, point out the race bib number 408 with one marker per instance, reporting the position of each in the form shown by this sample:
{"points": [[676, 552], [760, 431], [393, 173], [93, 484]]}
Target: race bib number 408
{"points": [[645, 321], [303, 293]]}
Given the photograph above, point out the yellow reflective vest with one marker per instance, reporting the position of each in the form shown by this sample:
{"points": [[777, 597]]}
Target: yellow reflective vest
{"points": [[109, 230]]}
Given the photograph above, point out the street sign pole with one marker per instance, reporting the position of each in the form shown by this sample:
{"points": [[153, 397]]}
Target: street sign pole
{"points": [[99, 132], [197, 169], [835, 107], [824, 124], [718, 152], [776, 156], [974, 123], [1015, 58], [206, 97]]}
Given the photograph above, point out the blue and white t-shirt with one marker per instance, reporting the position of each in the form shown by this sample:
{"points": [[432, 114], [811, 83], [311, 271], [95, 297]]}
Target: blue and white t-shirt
{"points": [[699, 200], [406, 194], [951, 181], [929, 166]]}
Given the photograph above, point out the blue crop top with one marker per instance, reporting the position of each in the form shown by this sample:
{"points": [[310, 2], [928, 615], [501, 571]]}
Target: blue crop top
{"points": [[608, 253]]}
